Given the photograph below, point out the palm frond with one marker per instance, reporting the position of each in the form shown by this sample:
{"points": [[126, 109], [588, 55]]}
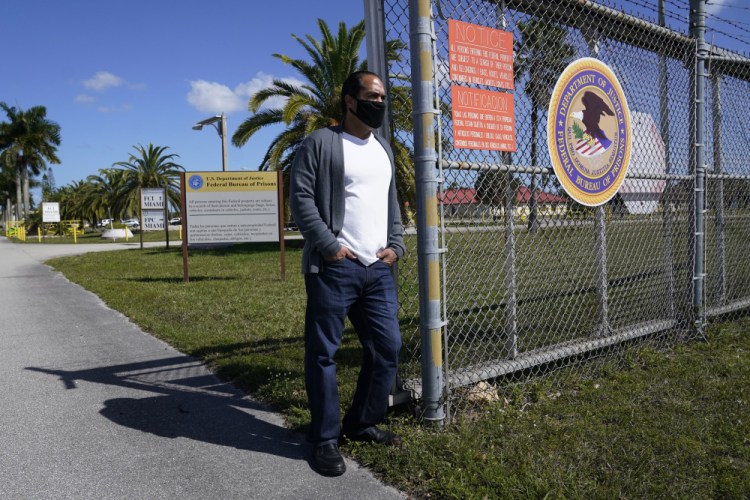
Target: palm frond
{"points": [[295, 105], [247, 128], [330, 58]]}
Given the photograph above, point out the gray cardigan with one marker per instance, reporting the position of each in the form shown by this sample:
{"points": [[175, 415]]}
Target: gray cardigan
{"points": [[316, 197]]}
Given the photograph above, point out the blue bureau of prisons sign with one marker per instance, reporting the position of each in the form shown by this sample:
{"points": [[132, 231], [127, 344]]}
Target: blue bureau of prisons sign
{"points": [[589, 132]]}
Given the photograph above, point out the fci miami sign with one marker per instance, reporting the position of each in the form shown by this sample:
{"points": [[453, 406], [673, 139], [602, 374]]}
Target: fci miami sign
{"points": [[589, 132]]}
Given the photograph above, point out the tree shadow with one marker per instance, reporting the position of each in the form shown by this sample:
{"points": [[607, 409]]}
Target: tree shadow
{"points": [[265, 345], [188, 402], [243, 248]]}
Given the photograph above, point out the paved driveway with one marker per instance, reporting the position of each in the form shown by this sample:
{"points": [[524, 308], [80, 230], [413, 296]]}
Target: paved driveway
{"points": [[92, 407]]}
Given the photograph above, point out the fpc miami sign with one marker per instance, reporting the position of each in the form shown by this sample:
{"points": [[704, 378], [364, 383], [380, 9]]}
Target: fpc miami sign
{"points": [[589, 132], [153, 206]]}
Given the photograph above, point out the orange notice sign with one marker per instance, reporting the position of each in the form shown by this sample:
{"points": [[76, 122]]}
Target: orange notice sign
{"points": [[480, 55], [483, 119]]}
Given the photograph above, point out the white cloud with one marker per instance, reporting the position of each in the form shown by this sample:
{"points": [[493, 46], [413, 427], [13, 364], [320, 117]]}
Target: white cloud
{"points": [[115, 109], [85, 98], [214, 97], [716, 6], [102, 80]]}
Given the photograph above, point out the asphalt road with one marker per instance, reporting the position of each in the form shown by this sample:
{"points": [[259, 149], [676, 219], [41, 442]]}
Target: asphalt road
{"points": [[93, 407]]}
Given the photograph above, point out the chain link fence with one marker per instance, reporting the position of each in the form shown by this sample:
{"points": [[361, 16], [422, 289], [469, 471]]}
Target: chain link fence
{"points": [[532, 281], [728, 186]]}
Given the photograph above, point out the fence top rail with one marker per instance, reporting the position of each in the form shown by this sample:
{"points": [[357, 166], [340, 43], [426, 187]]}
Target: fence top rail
{"points": [[499, 167], [583, 14], [617, 25], [527, 169], [739, 177], [723, 62]]}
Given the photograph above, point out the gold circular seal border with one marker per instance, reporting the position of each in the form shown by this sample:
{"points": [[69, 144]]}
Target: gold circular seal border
{"points": [[587, 63]]}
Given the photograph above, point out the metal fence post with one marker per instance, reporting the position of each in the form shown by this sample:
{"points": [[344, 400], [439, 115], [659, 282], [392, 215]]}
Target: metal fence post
{"points": [[377, 63], [428, 251], [721, 271], [511, 288], [698, 33], [667, 203], [375, 42], [602, 292], [511, 321]]}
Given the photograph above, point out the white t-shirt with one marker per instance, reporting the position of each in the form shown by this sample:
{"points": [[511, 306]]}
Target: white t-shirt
{"points": [[367, 177]]}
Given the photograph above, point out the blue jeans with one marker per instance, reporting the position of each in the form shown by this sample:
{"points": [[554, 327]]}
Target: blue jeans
{"points": [[367, 295]]}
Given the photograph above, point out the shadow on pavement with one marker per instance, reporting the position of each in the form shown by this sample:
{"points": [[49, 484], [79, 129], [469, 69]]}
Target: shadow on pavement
{"points": [[188, 402]]}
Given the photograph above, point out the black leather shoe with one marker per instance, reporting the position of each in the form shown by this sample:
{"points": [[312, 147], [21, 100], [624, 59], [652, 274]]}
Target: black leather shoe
{"points": [[375, 435], [327, 460]]}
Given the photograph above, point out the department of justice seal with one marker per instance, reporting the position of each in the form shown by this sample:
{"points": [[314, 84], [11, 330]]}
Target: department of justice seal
{"points": [[588, 132], [196, 182]]}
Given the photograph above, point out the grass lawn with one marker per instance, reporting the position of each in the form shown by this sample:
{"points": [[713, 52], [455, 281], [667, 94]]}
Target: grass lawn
{"points": [[668, 425]]}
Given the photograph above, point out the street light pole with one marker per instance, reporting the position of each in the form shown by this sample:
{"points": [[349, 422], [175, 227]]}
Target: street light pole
{"points": [[219, 122], [223, 134]]}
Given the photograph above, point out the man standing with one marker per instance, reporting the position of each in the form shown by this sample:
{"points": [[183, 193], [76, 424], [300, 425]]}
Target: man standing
{"points": [[343, 198]]}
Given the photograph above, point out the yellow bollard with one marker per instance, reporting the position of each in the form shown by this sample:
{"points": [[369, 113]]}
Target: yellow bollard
{"points": [[39, 233]]}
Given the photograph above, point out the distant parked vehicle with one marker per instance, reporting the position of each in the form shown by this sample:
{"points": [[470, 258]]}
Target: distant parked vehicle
{"points": [[132, 223], [176, 221]]}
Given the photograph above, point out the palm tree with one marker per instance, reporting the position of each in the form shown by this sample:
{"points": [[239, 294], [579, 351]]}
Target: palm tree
{"points": [[48, 184], [7, 192], [310, 106], [102, 192], [27, 141], [402, 128], [151, 168], [491, 186], [542, 53], [317, 103], [73, 199]]}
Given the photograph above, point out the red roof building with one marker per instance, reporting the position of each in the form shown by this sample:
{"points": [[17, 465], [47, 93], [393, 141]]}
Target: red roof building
{"points": [[523, 197], [460, 196], [468, 196]]}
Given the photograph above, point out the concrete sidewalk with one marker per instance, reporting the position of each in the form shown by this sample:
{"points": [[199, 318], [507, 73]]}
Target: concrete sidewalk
{"points": [[92, 407]]}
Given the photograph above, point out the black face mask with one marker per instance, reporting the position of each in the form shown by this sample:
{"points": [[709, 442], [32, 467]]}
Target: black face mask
{"points": [[370, 112]]}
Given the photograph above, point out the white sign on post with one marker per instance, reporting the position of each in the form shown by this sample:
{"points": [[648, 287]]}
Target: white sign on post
{"points": [[50, 212], [152, 199], [153, 220], [152, 208]]}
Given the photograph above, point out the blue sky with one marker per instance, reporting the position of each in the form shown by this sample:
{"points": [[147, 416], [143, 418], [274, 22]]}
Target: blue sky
{"points": [[117, 74]]}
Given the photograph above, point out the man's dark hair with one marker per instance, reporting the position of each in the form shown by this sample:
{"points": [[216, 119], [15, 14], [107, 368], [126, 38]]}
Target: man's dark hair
{"points": [[352, 85]]}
